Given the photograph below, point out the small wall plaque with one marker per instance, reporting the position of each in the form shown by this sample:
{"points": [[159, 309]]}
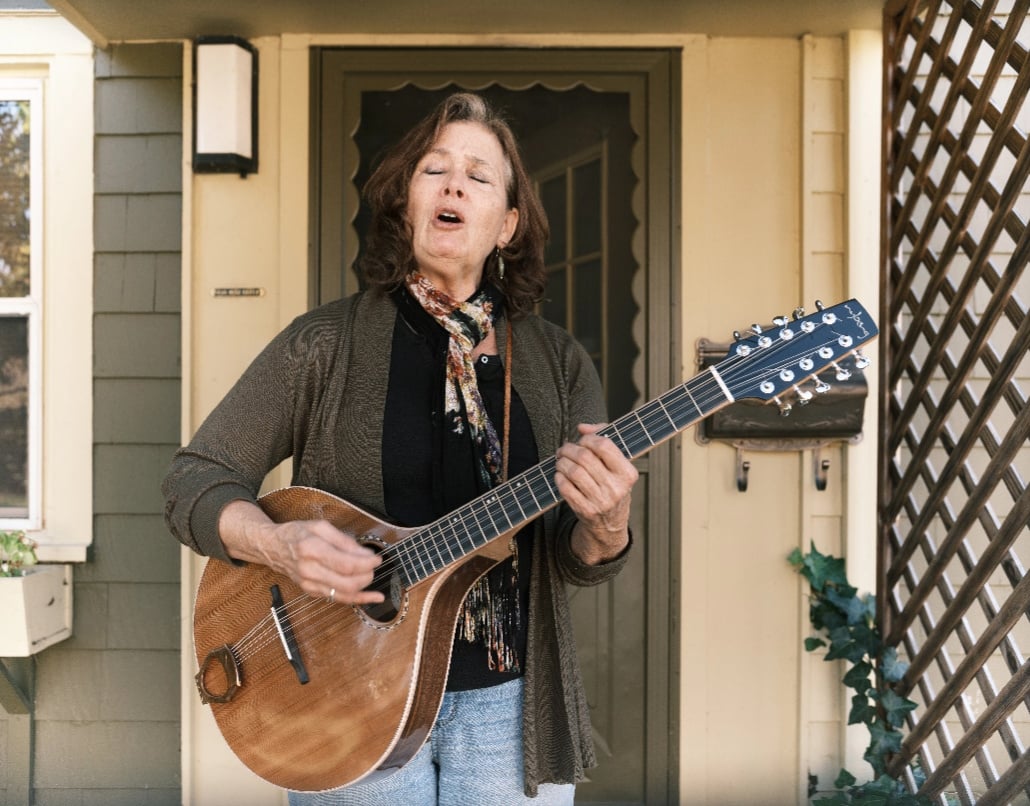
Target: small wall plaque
{"points": [[238, 292]]}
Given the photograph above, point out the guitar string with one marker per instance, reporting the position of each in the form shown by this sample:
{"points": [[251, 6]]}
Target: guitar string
{"points": [[481, 510], [265, 633], [254, 633], [670, 408], [709, 393], [302, 610], [654, 413]]}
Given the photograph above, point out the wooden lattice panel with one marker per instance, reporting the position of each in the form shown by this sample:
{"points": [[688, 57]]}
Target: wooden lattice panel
{"points": [[955, 505]]}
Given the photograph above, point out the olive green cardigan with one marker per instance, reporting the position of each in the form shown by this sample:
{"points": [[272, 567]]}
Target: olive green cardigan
{"points": [[317, 393]]}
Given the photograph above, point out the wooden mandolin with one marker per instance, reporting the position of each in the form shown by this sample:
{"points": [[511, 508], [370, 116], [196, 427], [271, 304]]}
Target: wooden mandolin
{"points": [[313, 695]]}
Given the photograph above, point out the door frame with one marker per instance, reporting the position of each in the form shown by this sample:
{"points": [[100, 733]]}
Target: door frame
{"points": [[651, 77]]}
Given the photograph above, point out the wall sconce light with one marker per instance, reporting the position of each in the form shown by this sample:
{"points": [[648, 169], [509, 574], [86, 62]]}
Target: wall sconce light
{"points": [[836, 415], [225, 86]]}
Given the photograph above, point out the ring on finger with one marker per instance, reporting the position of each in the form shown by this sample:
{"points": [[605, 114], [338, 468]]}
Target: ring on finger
{"points": [[332, 595]]}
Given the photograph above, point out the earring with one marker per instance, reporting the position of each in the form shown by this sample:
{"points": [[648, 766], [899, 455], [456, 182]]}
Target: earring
{"points": [[500, 264]]}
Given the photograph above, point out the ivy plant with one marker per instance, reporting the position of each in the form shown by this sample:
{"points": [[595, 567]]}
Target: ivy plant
{"points": [[846, 623]]}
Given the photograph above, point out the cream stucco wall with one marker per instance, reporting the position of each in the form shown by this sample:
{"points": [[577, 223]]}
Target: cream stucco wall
{"points": [[776, 158], [781, 166], [741, 242]]}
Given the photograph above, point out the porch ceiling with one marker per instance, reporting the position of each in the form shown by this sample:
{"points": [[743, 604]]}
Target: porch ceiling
{"points": [[107, 21]]}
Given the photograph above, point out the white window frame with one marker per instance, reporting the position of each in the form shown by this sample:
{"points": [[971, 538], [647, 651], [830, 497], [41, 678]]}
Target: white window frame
{"points": [[31, 90], [42, 53]]}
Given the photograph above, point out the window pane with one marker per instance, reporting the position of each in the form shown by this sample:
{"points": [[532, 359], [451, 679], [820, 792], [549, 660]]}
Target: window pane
{"points": [[553, 306], [14, 198], [14, 416], [586, 180], [587, 300], [552, 196]]}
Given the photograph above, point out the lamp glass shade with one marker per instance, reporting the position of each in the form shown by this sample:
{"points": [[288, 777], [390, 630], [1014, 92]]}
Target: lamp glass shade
{"points": [[225, 107]]}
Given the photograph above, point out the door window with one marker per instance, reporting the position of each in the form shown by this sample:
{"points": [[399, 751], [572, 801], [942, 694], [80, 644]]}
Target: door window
{"points": [[573, 195]]}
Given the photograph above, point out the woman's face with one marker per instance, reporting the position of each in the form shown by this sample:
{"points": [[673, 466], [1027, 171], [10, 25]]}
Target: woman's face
{"points": [[457, 207]]}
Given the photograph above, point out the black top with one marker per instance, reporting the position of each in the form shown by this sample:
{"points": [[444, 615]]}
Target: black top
{"points": [[429, 471]]}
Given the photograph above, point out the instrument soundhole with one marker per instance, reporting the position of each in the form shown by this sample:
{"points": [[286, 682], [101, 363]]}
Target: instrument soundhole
{"points": [[387, 581]]}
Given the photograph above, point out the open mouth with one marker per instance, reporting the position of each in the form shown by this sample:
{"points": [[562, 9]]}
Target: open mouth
{"points": [[448, 217]]}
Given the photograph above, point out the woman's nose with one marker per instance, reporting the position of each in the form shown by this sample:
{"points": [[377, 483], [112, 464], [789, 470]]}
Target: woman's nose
{"points": [[453, 186]]}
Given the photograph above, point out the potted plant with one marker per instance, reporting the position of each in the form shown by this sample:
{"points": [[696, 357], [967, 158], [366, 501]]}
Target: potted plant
{"points": [[17, 554], [35, 600]]}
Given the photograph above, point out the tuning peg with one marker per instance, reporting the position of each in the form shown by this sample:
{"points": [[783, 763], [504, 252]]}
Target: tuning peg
{"points": [[756, 329], [736, 335], [861, 362], [819, 305], [784, 406], [780, 321], [821, 386], [842, 372], [804, 396], [798, 313]]}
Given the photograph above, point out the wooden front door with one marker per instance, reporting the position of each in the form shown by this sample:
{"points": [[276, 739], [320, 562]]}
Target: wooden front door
{"points": [[595, 129]]}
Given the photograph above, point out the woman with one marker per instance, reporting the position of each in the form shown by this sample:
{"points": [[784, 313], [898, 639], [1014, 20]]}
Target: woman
{"points": [[395, 399]]}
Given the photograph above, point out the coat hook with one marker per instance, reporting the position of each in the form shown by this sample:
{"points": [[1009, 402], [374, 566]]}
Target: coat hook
{"points": [[820, 469], [743, 466]]}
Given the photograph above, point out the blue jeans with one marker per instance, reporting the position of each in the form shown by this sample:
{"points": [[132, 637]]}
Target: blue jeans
{"points": [[473, 757]]}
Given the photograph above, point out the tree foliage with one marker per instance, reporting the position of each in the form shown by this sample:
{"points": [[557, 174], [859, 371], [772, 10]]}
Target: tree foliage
{"points": [[15, 172]]}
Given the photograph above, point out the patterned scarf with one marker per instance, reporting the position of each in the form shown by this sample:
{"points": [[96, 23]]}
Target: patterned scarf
{"points": [[490, 613], [468, 323]]}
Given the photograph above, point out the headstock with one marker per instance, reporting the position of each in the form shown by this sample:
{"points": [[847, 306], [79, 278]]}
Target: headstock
{"points": [[773, 363]]}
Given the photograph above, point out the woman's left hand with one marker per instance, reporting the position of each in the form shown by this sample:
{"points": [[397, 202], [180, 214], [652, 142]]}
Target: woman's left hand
{"points": [[596, 481]]}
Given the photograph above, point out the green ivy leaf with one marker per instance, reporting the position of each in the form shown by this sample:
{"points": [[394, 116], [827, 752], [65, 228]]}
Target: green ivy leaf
{"points": [[884, 791], [870, 603], [862, 710], [884, 785], [857, 677], [844, 780], [895, 707], [812, 644], [796, 558], [871, 797], [884, 741], [868, 637], [820, 569], [834, 799], [891, 667], [843, 644], [826, 616], [848, 602], [890, 792]]}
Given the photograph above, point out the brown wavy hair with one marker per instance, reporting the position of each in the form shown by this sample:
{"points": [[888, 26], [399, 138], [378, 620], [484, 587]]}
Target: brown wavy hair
{"points": [[388, 256]]}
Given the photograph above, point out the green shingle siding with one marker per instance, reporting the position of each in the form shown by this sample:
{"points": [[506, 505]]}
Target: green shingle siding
{"points": [[107, 704]]}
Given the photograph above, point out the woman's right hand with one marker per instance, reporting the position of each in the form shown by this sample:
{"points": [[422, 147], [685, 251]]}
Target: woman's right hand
{"points": [[321, 559]]}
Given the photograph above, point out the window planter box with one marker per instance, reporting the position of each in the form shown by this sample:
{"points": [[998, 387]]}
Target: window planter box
{"points": [[35, 610]]}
